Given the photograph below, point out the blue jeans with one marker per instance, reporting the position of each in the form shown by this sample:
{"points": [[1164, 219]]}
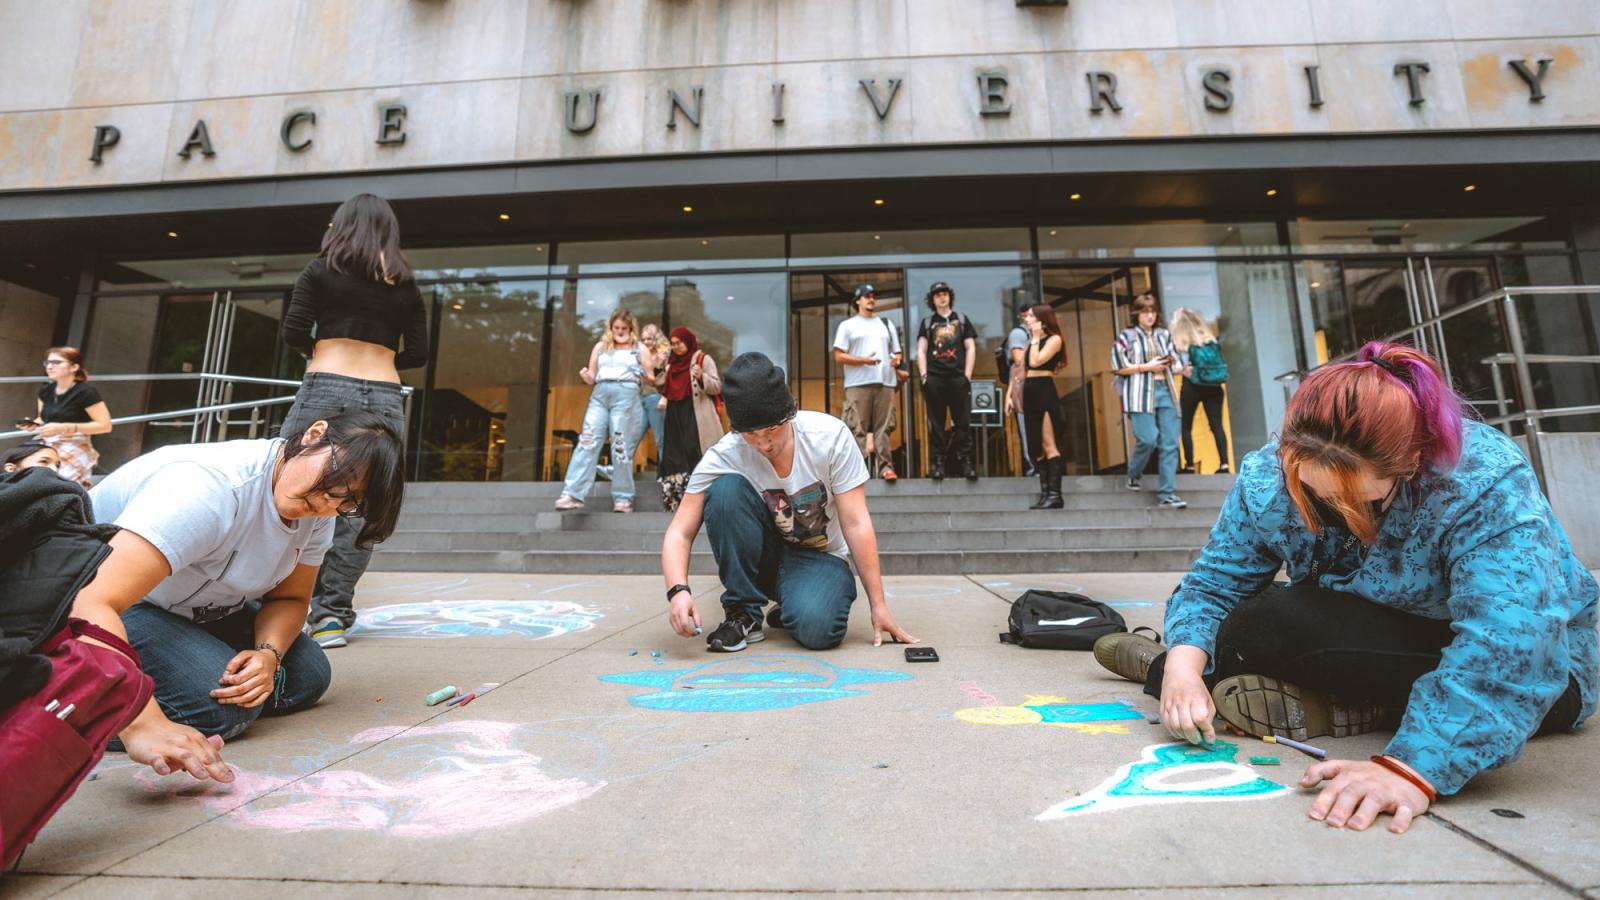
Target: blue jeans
{"points": [[1153, 429], [323, 395], [613, 413], [756, 565], [653, 420], [186, 660]]}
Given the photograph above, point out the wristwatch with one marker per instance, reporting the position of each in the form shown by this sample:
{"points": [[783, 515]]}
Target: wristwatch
{"points": [[675, 590]]}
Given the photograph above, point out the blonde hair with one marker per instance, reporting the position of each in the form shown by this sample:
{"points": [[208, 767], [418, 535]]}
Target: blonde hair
{"points": [[609, 343], [1189, 330]]}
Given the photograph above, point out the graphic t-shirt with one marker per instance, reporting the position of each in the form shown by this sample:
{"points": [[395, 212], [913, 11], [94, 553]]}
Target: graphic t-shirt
{"points": [[873, 336], [826, 464], [947, 342], [208, 508]]}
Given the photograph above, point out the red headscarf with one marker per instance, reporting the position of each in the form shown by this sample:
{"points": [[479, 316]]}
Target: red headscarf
{"points": [[679, 386]]}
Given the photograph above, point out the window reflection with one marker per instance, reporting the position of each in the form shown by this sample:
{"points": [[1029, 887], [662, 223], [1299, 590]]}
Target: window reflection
{"points": [[1194, 238]]}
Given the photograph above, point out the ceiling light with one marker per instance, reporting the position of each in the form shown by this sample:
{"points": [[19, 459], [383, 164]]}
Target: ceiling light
{"points": [[1077, 197], [878, 202], [1470, 187], [705, 243], [877, 237], [539, 249], [1272, 192], [505, 217], [688, 209], [455, 306], [1316, 284], [29, 266], [1052, 232], [172, 234], [730, 296]]}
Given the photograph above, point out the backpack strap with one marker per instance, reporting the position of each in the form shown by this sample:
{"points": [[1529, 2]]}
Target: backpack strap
{"points": [[76, 628]]}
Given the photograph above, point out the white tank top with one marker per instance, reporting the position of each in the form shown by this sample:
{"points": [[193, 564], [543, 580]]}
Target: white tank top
{"points": [[621, 364]]}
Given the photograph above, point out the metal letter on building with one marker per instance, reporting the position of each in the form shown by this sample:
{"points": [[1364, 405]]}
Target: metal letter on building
{"points": [[777, 103], [104, 136], [199, 139], [1314, 82], [392, 123], [575, 126], [881, 106], [289, 123], [1535, 80], [675, 104], [992, 94], [1103, 92], [1413, 72], [1219, 92]]}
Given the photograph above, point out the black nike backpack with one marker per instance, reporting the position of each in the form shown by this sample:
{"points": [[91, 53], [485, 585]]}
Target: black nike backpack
{"points": [[1051, 620]]}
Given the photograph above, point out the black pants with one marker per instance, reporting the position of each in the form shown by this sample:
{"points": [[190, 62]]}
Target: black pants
{"points": [[1190, 398], [952, 394], [1342, 645], [1039, 399]]}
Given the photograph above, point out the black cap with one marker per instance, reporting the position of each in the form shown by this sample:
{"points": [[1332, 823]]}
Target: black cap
{"points": [[755, 393], [861, 291], [938, 286]]}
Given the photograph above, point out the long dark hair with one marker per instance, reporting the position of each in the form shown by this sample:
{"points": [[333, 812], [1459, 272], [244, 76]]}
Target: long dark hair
{"points": [[364, 238], [367, 445], [1047, 317]]}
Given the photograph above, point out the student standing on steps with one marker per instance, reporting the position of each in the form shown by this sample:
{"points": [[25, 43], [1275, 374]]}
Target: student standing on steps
{"points": [[784, 501], [1045, 355], [1144, 361], [618, 364], [946, 351], [1430, 590], [869, 350]]}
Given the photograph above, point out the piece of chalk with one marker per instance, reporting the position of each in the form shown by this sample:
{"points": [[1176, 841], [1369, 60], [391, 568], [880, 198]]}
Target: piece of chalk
{"points": [[1307, 749], [441, 695], [699, 631], [1264, 761], [1153, 720], [461, 699], [469, 698]]}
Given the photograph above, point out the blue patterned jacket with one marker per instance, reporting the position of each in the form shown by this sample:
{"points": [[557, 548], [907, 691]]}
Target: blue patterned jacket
{"points": [[1478, 546]]}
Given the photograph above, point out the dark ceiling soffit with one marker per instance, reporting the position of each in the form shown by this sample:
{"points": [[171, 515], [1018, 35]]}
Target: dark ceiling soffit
{"points": [[1564, 146]]}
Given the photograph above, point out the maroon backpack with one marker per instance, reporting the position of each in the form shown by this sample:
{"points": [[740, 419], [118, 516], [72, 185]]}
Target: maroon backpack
{"points": [[50, 740]]}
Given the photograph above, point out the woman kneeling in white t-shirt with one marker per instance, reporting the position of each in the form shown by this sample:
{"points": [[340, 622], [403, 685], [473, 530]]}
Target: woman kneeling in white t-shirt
{"points": [[221, 543], [785, 505]]}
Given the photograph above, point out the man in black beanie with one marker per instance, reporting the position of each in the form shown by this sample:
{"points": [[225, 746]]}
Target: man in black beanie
{"points": [[784, 500]]}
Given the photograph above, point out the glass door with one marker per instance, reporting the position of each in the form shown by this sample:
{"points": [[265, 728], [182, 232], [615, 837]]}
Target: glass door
{"points": [[1091, 304], [225, 332], [818, 302]]}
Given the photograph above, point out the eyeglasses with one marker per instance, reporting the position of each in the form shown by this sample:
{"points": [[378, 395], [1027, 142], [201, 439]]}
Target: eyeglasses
{"points": [[350, 506], [54, 362]]}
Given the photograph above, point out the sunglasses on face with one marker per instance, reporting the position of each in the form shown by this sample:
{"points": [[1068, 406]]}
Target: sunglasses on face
{"points": [[350, 506]]}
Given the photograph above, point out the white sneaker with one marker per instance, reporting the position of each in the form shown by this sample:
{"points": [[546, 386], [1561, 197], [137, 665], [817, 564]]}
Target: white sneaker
{"points": [[567, 501], [625, 506]]}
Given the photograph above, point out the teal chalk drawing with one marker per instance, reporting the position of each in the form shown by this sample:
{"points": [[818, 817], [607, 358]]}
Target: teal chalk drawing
{"points": [[1130, 604], [1172, 773], [749, 684]]}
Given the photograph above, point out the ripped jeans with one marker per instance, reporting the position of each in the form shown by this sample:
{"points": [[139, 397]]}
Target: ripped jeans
{"points": [[613, 414]]}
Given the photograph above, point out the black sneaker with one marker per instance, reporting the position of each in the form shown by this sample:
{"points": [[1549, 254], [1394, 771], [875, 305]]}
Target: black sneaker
{"points": [[1173, 502], [738, 631], [1133, 484]]}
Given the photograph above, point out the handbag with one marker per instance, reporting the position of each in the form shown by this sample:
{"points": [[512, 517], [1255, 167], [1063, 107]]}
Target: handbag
{"points": [[50, 740]]}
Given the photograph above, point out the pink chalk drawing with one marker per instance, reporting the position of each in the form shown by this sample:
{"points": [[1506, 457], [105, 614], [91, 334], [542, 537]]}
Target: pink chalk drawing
{"points": [[462, 776], [971, 689]]}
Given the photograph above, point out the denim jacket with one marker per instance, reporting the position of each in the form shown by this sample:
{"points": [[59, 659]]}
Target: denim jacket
{"points": [[1478, 546]]}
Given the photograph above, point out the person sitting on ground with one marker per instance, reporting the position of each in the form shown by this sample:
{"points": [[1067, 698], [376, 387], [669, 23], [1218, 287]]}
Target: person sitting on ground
{"points": [[1427, 576], [212, 573], [784, 500], [31, 455]]}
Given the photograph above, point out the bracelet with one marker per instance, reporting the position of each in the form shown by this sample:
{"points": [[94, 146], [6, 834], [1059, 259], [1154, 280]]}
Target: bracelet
{"points": [[1394, 766], [676, 590], [267, 645]]}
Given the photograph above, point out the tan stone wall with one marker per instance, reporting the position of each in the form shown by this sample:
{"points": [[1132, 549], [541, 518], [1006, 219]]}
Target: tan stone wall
{"points": [[483, 80]]}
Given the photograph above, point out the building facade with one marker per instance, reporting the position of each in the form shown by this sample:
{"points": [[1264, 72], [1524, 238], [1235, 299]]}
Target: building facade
{"points": [[1307, 175]]}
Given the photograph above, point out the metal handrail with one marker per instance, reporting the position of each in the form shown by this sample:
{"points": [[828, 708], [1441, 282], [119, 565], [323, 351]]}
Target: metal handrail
{"points": [[1531, 414], [197, 411]]}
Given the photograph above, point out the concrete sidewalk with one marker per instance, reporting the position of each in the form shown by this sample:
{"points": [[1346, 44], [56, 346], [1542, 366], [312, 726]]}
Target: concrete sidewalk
{"points": [[613, 755]]}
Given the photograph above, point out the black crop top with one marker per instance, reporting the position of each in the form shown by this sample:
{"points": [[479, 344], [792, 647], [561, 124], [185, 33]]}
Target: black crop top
{"points": [[347, 305], [1049, 364]]}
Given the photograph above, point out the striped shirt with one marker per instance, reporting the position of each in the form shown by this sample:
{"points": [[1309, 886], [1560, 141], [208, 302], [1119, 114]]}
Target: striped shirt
{"points": [[1134, 347]]}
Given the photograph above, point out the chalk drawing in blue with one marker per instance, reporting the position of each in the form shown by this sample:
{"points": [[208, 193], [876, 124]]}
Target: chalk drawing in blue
{"points": [[1172, 773], [749, 684], [533, 619], [1130, 604], [1090, 718]]}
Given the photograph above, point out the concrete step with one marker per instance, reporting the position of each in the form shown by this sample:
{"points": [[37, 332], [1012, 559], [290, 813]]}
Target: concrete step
{"points": [[1082, 538], [1020, 518], [475, 490], [1149, 559], [881, 505]]}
